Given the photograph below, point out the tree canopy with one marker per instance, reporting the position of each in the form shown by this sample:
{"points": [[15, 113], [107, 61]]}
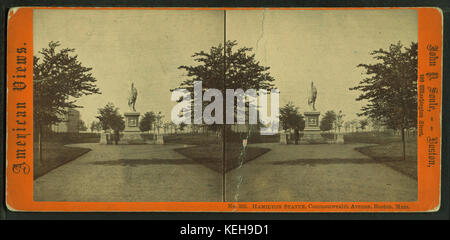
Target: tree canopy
{"points": [[391, 87], [224, 67], [235, 69], [110, 118], [59, 78], [147, 121], [291, 118], [327, 121], [363, 123]]}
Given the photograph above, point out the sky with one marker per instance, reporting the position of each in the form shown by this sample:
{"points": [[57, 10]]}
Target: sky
{"points": [[147, 47]]}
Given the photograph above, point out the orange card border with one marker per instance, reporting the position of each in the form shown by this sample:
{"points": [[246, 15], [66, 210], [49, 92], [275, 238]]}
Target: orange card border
{"points": [[19, 186]]}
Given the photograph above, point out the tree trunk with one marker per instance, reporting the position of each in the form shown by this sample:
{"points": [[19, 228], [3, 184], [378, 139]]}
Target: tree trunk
{"points": [[404, 144]]}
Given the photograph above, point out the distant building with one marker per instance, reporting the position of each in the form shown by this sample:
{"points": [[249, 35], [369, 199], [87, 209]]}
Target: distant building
{"points": [[70, 123]]}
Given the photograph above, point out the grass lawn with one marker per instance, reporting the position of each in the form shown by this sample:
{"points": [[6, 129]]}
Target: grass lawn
{"points": [[54, 154], [211, 155], [391, 154]]}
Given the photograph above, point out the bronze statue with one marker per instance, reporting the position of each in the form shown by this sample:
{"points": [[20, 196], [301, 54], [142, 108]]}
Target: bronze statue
{"points": [[132, 98], [312, 97]]}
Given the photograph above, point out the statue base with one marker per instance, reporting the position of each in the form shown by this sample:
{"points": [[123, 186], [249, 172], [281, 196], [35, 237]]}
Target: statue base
{"points": [[104, 138], [312, 137], [312, 133], [131, 133], [131, 138], [159, 139], [340, 138], [283, 138], [132, 122]]}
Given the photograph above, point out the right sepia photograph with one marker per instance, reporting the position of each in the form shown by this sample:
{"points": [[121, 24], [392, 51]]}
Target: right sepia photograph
{"points": [[347, 83]]}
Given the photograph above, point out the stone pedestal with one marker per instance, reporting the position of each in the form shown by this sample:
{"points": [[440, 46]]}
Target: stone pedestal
{"points": [[106, 138], [340, 138], [311, 133], [103, 139], [312, 121], [132, 122], [283, 138], [159, 139], [131, 138], [131, 133]]}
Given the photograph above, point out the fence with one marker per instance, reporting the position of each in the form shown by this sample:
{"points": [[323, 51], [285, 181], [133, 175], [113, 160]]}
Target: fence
{"points": [[377, 137], [68, 137]]}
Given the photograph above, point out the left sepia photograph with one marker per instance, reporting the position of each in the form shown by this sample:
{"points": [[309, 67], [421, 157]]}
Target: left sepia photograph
{"points": [[103, 82]]}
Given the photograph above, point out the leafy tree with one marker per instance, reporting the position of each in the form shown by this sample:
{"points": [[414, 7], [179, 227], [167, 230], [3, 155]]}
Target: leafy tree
{"points": [[363, 123], [391, 88], [146, 123], [326, 124], [110, 118], [59, 78], [291, 118], [222, 68], [376, 125]]}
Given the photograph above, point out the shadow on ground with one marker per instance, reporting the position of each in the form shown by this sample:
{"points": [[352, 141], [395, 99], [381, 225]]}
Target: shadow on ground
{"points": [[140, 162], [313, 162], [211, 156]]}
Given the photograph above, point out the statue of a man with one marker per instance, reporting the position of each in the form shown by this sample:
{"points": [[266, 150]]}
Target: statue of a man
{"points": [[132, 98], [312, 97]]}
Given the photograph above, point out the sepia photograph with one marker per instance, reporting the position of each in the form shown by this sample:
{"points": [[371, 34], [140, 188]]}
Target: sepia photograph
{"points": [[262, 105]]}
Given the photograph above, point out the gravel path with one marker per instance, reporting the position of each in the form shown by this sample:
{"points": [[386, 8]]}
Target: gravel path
{"points": [[315, 173], [142, 173]]}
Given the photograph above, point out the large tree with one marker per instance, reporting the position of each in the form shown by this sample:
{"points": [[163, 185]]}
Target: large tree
{"points": [[328, 120], [110, 118], [391, 88], [59, 79], [291, 118], [225, 67], [147, 121]]}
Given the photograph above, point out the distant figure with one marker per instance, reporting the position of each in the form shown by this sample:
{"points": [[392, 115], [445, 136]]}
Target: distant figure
{"points": [[296, 136], [132, 98], [116, 137], [312, 97]]}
